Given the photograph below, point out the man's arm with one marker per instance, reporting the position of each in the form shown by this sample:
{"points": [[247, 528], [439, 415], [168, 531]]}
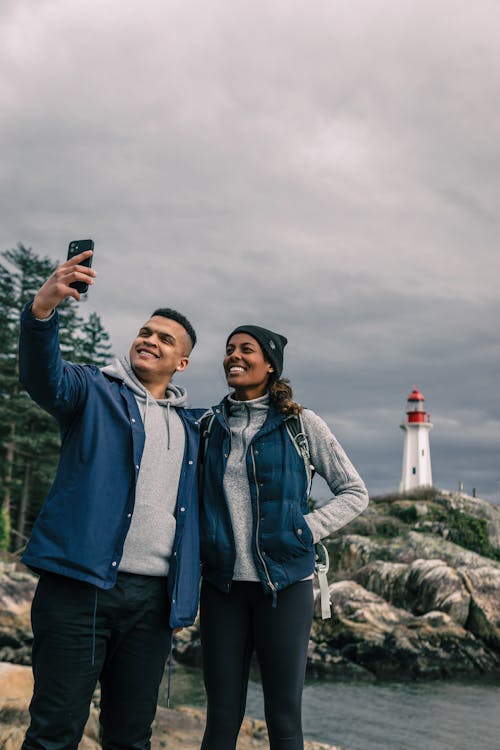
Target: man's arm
{"points": [[56, 385]]}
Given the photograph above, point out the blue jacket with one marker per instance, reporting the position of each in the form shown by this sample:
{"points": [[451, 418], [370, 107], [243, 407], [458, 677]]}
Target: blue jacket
{"points": [[282, 542], [82, 525]]}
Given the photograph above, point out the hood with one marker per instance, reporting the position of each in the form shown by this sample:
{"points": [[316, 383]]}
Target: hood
{"points": [[174, 395], [120, 368]]}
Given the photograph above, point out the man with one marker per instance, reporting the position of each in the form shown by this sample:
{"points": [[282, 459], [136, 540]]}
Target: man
{"points": [[116, 542]]}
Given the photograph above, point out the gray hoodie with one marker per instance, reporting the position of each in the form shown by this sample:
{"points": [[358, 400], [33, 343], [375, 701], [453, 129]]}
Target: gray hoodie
{"points": [[150, 538]]}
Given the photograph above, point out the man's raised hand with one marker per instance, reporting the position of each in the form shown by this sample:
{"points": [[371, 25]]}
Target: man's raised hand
{"points": [[57, 287]]}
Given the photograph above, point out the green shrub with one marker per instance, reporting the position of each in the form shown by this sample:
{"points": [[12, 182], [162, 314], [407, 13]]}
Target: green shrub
{"points": [[468, 532], [423, 494], [419, 494], [387, 527], [362, 525], [4, 530], [407, 514]]}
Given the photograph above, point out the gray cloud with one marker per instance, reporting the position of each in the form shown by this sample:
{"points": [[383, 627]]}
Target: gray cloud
{"points": [[329, 169]]}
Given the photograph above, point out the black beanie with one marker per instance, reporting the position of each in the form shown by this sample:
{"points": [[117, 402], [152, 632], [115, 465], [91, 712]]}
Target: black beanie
{"points": [[272, 344]]}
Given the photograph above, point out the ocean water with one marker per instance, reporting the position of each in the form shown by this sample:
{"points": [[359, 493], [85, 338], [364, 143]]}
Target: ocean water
{"points": [[438, 715]]}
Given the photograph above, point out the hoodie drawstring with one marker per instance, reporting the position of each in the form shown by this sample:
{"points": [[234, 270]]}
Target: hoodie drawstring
{"points": [[146, 410], [169, 677], [168, 425], [94, 617]]}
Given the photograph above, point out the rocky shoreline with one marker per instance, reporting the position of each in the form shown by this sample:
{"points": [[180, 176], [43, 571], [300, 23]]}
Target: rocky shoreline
{"points": [[407, 601], [178, 728], [415, 590]]}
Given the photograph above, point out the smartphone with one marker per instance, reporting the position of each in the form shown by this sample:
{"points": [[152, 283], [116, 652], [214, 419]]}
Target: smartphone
{"points": [[75, 248]]}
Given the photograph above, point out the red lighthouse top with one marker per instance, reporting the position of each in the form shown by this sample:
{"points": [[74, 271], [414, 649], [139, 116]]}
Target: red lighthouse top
{"points": [[415, 410], [415, 395]]}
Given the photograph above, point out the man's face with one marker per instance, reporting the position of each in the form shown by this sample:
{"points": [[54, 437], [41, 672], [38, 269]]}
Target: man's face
{"points": [[161, 348]]}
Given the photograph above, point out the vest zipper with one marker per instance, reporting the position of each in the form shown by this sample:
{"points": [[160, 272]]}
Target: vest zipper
{"points": [[270, 583], [228, 429]]}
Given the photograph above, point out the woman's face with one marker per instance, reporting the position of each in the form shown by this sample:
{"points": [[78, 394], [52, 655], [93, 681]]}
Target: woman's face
{"points": [[246, 369]]}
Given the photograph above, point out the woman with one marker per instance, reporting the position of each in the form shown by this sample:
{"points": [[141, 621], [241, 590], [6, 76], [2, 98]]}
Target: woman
{"points": [[257, 540]]}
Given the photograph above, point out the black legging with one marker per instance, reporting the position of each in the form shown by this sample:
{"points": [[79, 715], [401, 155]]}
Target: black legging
{"points": [[232, 626]]}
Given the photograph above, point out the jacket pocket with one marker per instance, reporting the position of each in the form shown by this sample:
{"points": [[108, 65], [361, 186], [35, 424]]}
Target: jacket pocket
{"points": [[288, 537], [301, 528]]}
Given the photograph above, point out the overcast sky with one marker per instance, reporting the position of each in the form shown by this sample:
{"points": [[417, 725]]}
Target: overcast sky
{"points": [[329, 169]]}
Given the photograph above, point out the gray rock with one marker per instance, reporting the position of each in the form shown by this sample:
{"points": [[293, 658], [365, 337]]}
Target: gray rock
{"points": [[325, 662], [417, 546], [483, 585], [390, 642], [421, 509], [433, 585], [16, 593], [187, 646], [180, 727], [387, 579], [423, 586], [349, 552]]}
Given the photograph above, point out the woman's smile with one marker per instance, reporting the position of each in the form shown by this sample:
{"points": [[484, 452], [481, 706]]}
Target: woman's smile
{"points": [[247, 371]]}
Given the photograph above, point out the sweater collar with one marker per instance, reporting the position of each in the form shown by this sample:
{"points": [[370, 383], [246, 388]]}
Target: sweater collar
{"points": [[253, 405]]}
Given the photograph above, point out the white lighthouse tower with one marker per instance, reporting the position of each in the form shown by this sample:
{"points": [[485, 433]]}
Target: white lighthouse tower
{"points": [[416, 451]]}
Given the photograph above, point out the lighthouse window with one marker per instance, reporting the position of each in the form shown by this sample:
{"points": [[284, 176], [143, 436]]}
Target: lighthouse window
{"points": [[423, 452], [414, 470]]}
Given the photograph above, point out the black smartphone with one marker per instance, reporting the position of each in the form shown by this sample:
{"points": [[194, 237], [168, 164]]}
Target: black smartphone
{"points": [[75, 248]]}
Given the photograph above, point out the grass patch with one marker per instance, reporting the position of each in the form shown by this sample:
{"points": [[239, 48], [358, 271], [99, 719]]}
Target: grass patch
{"points": [[471, 533], [4, 530], [388, 527], [465, 530], [421, 494], [407, 514]]}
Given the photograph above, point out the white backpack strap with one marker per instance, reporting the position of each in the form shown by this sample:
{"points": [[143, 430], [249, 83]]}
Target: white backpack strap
{"points": [[321, 570], [295, 428]]}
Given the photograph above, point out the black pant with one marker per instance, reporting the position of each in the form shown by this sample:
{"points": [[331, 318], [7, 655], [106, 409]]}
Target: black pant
{"points": [[232, 626], [81, 635]]}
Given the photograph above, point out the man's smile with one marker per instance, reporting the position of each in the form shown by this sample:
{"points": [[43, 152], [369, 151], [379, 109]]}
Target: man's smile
{"points": [[145, 353]]}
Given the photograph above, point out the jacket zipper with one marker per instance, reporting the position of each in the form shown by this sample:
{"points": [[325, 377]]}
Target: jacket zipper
{"points": [[270, 583]]}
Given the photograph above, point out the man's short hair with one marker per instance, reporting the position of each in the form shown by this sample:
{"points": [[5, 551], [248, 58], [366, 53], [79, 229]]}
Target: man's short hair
{"points": [[167, 312]]}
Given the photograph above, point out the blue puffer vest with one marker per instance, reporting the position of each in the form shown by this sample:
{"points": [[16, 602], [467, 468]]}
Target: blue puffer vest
{"points": [[282, 545]]}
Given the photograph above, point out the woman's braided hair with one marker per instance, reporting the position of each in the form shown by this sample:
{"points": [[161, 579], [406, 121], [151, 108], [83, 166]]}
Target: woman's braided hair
{"points": [[281, 394]]}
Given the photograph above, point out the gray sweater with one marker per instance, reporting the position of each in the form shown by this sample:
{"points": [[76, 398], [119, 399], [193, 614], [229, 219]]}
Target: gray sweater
{"points": [[328, 458], [150, 538]]}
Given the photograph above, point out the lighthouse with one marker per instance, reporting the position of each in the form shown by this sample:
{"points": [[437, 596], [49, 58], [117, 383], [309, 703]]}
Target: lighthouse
{"points": [[416, 452]]}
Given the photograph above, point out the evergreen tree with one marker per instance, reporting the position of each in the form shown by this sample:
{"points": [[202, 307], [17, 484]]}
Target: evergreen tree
{"points": [[94, 345], [29, 437]]}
